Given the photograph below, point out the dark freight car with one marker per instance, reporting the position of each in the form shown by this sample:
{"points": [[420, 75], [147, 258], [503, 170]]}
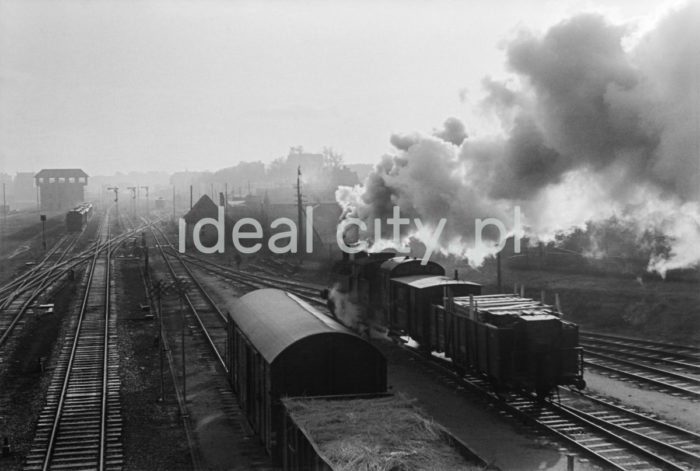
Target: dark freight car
{"points": [[413, 297], [516, 342], [280, 346], [401, 266], [78, 217]]}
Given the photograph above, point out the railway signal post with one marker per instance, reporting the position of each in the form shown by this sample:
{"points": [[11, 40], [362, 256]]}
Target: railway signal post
{"points": [[43, 231]]}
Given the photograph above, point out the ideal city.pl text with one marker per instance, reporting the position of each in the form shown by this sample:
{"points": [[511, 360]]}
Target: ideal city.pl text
{"points": [[285, 240]]}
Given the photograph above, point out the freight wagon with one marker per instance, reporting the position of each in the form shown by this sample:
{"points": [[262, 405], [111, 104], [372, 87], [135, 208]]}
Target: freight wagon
{"points": [[515, 342], [78, 217], [279, 346], [385, 432]]}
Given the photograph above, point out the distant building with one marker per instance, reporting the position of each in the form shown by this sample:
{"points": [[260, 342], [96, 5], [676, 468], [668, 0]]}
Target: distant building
{"points": [[24, 193], [208, 234], [61, 188]]}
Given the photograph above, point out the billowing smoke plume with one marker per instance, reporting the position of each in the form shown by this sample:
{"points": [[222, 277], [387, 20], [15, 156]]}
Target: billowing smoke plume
{"points": [[404, 141], [453, 131], [590, 130]]}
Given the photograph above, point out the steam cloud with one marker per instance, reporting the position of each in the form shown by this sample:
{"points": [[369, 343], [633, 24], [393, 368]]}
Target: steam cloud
{"points": [[590, 129]]}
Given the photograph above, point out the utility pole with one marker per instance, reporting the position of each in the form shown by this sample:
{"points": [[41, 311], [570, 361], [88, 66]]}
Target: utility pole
{"points": [[190, 196], [226, 194], [43, 231], [300, 228]]}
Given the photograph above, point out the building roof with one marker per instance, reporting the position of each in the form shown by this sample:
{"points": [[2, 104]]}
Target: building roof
{"points": [[203, 208], [427, 281], [60, 173], [274, 320]]}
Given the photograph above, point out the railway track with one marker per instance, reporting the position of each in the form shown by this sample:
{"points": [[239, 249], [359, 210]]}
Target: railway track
{"points": [[660, 438], [10, 291], [25, 290], [204, 311], [80, 424], [307, 291], [666, 367], [614, 437], [593, 429], [678, 357]]}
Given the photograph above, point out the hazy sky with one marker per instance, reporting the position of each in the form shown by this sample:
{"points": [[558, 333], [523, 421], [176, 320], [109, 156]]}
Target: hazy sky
{"points": [[146, 85]]}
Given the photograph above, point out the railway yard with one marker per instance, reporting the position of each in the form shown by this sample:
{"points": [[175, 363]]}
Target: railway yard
{"points": [[115, 353]]}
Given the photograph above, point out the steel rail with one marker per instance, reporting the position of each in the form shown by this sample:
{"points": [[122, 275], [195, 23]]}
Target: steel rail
{"points": [[46, 279], [519, 404], [643, 422], [643, 378], [652, 357], [193, 308], [64, 389], [638, 341], [105, 360]]}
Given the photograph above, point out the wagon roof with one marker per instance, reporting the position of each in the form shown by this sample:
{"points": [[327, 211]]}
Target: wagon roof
{"points": [[273, 320], [429, 281]]}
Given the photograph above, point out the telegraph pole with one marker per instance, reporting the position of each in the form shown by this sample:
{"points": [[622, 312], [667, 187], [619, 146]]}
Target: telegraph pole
{"points": [[300, 229], [42, 217]]}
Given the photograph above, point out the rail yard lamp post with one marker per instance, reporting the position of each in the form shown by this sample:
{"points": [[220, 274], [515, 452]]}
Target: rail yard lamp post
{"points": [[43, 231]]}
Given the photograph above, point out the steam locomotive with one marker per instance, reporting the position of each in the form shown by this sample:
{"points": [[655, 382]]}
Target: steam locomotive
{"points": [[516, 342]]}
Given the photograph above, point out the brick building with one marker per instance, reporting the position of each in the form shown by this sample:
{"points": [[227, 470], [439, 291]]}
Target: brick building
{"points": [[61, 188]]}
